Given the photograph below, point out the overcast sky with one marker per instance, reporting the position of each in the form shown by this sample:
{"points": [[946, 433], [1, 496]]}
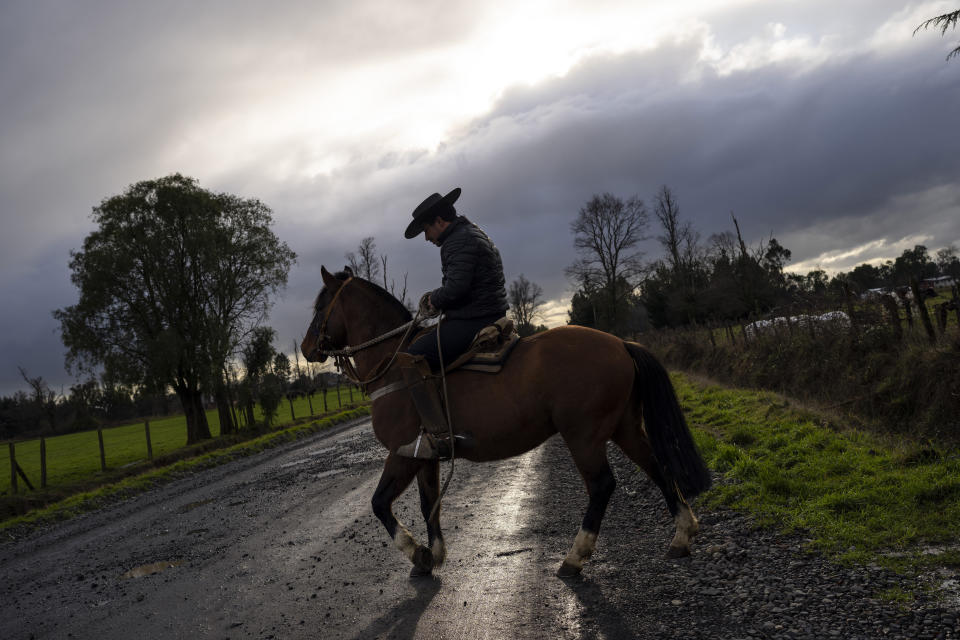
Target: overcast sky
{"points": [[828, 125]]}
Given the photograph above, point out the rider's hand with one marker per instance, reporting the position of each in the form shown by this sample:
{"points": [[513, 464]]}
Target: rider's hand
{"points": [[427, 310]]}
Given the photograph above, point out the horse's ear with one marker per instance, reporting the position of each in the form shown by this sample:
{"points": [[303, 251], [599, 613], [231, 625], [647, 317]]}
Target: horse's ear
{"points": [[347, 270], [328, 278]]}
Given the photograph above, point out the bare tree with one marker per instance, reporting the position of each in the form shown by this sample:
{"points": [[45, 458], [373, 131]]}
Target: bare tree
{"points": [[44, 397], [364, 262], [367, 264], [606, 233], [392, 288], [679, 238], [526, 299], [943, 22]]}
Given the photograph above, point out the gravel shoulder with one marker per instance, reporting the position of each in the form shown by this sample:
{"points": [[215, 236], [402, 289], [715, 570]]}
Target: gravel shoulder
{"points": [[284, 545]]}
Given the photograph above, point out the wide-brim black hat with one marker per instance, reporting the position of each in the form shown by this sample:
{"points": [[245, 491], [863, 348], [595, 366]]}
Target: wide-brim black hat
{"points": [[426, 211]]}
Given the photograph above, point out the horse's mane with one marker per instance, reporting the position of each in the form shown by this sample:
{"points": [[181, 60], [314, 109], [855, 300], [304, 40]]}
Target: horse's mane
{"points": [[380, 291]]}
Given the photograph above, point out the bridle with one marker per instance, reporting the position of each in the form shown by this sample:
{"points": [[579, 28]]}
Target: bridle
{"points": [[342, 359], [342, 356]]}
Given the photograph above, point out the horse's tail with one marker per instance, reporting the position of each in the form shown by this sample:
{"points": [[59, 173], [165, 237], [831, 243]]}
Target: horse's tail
{"points": [[666, 428]]}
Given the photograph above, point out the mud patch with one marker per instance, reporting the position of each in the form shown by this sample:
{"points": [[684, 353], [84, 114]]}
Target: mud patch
{"points": [[150, 569], [193, 505]]}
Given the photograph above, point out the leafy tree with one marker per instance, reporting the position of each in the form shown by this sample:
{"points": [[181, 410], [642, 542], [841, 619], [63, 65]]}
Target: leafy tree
{"points": [[590, 307], [273, 386], [526, 299], [943, 22], [606, 233], [170, 281], [947, 262], [913, 263], [258, 355], [865, 276]]}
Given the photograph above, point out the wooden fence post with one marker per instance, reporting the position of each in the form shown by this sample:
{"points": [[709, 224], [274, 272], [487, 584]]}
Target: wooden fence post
{"points": [[956, 303], [13, 469], [908, 309], [848, 299], [310, 402], [894, 312], [922, 310], [103, 455], [146, 430], [942, 317], [43, 463], [290, 400]]}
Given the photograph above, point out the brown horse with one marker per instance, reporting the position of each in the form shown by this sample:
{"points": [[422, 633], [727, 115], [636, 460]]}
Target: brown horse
{"points": [[588, 386]]}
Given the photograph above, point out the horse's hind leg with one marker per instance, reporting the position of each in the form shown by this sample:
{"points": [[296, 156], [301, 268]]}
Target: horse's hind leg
{"points": [[633, 442], [428, 481], [398, 473], [597, 475]]}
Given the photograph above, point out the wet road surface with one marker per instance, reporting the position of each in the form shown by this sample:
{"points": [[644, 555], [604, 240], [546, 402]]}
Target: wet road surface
{"points": [[284, 545]]}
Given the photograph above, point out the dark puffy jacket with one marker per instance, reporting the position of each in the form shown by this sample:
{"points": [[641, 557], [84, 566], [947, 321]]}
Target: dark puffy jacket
{"points": [[473, 282]]}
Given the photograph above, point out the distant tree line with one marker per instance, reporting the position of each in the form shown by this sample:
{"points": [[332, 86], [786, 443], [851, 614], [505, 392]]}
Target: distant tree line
{"points": [[720, 279], [261, 377]]}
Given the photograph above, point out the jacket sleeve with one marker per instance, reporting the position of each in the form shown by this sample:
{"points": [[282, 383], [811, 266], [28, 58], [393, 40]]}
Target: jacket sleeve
{"points": [[459, 258]]}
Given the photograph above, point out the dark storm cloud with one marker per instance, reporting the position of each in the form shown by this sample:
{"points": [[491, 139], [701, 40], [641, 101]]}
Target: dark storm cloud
{"points": [[844, 143], [787, 150]]}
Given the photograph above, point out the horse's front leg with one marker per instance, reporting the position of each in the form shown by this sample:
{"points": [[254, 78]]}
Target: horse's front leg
{"points": [[428, 481], [398, 473]]}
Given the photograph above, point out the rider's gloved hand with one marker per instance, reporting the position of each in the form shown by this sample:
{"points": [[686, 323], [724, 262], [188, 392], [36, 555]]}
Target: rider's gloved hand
{"points": [[427, 310]]}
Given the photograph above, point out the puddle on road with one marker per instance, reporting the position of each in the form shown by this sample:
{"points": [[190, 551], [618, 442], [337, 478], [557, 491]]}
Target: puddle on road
{"points": [[328, 473], [193, 505], [150, 569]]}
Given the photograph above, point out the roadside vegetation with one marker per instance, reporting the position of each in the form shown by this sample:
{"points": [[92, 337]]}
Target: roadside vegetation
{"points": [[859, 496], [73, 459]]}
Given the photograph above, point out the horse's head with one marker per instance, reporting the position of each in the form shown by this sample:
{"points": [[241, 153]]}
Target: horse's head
{"points": [[327, 329]]}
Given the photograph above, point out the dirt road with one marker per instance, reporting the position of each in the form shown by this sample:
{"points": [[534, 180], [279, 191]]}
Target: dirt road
{"points": [[284, 545]]}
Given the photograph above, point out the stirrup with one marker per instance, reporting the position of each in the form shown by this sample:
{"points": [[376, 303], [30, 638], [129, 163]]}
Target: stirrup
{"points": [[426, 446]]}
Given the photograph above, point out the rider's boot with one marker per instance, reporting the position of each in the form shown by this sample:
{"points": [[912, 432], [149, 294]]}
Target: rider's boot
{"points": [[433, 442]]}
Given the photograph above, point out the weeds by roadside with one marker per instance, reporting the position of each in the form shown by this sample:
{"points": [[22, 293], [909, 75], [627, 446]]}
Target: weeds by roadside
{"points": [[861, 497]]}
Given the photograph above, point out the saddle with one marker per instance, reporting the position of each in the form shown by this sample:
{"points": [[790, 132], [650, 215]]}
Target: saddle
{"points": [[487, 353], [490, 348]]}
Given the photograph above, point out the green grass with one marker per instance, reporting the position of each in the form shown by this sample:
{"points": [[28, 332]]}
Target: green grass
{"points": [[74, 458], [860, 497], [94, 499]]}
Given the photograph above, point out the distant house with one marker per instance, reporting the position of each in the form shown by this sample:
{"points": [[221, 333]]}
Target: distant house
{"points": [[942, 282]]}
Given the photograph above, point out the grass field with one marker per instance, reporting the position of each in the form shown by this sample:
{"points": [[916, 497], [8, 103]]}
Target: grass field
{"points": [[75, 458], [860, 497], [75, 503]]}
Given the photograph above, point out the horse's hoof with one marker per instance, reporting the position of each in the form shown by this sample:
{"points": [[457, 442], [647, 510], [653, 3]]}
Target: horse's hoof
{"points": [[422, 562], [568, 570], [417, 572], [678, 552]]}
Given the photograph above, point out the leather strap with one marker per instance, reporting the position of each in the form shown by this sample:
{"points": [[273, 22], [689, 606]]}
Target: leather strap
{"points": [[387, 389]]}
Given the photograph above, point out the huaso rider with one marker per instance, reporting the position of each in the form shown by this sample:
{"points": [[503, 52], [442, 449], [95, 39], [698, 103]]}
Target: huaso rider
{"points": [[472, 296]]}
